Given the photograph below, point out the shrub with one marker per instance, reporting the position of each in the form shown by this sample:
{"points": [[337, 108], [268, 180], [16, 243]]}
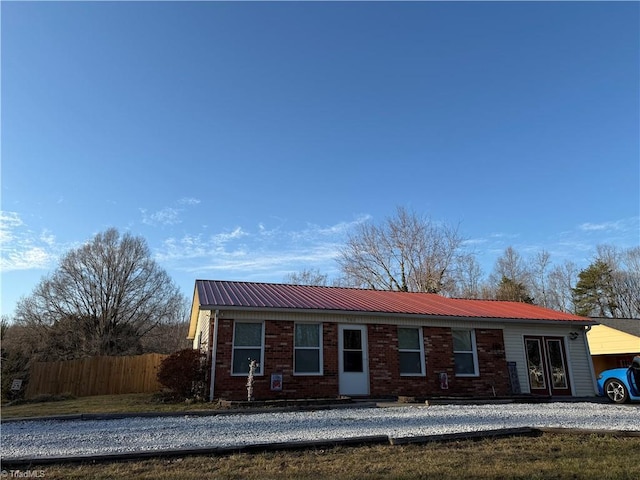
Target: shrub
{"points": [[15, 365], [184, 373]]}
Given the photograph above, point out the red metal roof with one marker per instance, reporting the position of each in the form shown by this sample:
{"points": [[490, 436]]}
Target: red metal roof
{"points": [[227, 294]]}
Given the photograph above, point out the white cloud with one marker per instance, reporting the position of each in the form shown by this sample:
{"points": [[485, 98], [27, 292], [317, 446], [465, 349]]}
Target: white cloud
{"points": [[340, 229], [504, 235], [9, 221], [180, 250], [474, 241], [47, 237], [246, 263], [604, 226], [189, 248], [27, 259], [624, 233], [631, 225], [226, 237], [188, 201], [166, 216], [242, 253], [265, 232], [22, 249]]}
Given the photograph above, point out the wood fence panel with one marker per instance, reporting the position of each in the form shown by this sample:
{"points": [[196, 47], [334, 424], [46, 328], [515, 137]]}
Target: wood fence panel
{"points": [[107, 373], [148, 377], [96, 376], [89, 379]]}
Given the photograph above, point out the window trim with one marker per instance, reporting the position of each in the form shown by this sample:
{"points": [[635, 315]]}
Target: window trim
{"points": [[423, 370], [473, 351], [260, 370], [319, 348]]}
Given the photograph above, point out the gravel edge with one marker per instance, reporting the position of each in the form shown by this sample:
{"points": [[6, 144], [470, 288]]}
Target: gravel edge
{"points": [[310, 444]]}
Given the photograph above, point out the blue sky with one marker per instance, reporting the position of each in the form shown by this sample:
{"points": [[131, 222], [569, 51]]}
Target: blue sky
{"points": [[244, 141]]}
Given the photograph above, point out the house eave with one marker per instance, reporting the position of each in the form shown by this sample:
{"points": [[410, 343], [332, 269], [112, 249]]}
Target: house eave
{"points": [[358, 313]]}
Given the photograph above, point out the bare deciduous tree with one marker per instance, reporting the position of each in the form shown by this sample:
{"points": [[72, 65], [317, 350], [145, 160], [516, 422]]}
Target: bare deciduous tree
{"points": [[166, 338], [511, 277], [307, 277], [406, 253], [539, 278], [627, 283], [102, 299], [468, 278], [561, 282], [511, 265]]}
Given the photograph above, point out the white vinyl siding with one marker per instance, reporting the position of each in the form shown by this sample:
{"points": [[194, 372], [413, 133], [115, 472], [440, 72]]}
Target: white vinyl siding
{"points": [[580, 376], [201, 338]]}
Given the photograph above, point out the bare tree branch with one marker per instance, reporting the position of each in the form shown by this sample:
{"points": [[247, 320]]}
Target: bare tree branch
{"points": [[406, 253], [103, 298]]}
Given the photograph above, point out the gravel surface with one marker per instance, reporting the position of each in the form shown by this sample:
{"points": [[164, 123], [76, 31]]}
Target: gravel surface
{"points": [[54, 438]]}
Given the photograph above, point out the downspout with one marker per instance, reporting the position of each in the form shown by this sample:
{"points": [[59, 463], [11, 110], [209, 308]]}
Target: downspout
{"points": [[214, 350], [591, 369]]}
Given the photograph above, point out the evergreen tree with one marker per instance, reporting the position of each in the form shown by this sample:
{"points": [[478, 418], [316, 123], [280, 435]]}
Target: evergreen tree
{"points": [[594, 293], [512, 291]]}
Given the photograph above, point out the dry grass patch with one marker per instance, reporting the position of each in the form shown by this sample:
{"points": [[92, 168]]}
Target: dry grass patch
{"points": [[127, 403], [550, 456]]}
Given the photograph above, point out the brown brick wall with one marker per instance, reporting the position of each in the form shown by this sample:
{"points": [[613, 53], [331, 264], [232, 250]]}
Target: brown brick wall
{"points": [[438, 347], [494, 374], [384, 368], [278, 353]]}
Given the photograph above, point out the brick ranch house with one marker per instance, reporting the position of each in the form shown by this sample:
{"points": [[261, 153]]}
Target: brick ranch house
{"points": [[326, 342]]}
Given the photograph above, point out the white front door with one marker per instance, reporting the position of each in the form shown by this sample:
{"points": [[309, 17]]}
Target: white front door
{"points": [[353, 360]]}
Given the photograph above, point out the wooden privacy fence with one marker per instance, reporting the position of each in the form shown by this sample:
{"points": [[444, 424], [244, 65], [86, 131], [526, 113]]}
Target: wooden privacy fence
{"points": [[96, 376]]}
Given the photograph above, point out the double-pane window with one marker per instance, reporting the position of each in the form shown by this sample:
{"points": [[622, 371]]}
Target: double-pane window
{"points": [[308, 349], [411, 351], [464, 352], [247, 345]]}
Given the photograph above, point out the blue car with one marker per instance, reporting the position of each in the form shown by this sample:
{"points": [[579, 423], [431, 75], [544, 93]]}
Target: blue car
{"points": [[621, 384]]}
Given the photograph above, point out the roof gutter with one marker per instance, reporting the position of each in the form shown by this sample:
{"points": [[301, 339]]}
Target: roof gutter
{"points": [[359, 313]]}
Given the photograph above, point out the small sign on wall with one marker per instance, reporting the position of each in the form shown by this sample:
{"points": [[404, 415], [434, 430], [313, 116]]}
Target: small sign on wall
{"points": [[444, 381], [276, 382]]}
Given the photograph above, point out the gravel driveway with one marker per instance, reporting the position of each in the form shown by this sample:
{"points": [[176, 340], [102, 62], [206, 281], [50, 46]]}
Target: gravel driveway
{"points": [[55, 438]]}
